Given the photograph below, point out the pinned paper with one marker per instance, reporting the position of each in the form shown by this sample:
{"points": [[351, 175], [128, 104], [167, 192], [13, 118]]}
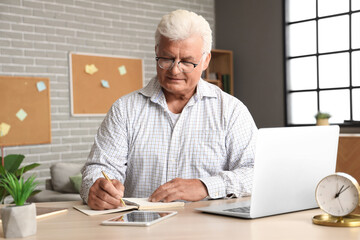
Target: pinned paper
{"points": [[90, 69], [40, 86], [21, 114], [4, 129], [105, 84], [122, 70]]}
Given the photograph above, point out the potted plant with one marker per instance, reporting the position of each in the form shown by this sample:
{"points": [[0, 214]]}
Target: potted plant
{"points": [[12, 164], [322, 118], [19, 219]]}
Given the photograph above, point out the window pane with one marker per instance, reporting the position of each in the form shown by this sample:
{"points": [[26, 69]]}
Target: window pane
{"points": [[302, 38], [302, 108], [302, 73], [334, 34], [356, 68], [329, 7], [301, 9], [337, 103], [334, 70], [355, 30], [356, 104], [355, 5]]}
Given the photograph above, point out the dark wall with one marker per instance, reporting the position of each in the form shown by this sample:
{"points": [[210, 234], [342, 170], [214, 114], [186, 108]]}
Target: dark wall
{"points": [[253, 30]]}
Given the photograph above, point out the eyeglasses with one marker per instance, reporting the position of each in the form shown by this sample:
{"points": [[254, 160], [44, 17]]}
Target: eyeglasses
{"points": [[184, 66]]}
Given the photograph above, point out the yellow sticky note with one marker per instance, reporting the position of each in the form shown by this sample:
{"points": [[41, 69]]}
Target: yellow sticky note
{"points": [[4, 129], [90, 69], [21, 114], [122, 70]]}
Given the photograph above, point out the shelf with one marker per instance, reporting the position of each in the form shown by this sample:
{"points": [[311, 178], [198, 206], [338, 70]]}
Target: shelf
{"points": [[221, 65]]}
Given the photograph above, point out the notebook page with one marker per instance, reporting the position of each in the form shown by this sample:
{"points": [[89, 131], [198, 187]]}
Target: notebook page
{"points": [[90, 212], [144, 204]]}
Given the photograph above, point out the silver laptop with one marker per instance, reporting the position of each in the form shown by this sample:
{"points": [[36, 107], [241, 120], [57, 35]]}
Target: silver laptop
{"points": [[289, 163]]}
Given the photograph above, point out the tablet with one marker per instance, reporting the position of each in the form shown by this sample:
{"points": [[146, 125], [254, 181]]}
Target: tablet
{"points": [[139, 218]]}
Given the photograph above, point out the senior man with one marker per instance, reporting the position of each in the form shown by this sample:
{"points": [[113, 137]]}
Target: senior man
{"points": [[178, 138]]}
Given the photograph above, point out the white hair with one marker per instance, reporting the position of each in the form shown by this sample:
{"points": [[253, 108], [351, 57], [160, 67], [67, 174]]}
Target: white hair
{"points": [[182, 24]]}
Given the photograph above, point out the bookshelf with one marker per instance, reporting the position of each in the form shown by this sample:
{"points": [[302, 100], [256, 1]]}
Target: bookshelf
{"points": [[220, 70]]}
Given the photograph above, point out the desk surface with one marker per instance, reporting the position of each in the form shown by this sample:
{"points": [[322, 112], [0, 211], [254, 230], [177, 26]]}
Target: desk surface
{"points": [[188, 224]]}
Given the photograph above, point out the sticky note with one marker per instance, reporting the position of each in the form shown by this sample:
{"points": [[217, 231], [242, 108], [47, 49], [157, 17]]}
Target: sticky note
{"points": [[105, 84], [122, 70], [4, 129], [90, 69], [21, 114], [40, 86]]}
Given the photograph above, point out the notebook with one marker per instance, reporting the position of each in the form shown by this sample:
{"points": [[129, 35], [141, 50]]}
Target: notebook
{"points": [[131, 204], [289, 163]]}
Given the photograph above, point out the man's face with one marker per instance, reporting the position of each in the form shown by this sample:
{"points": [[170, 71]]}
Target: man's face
{"points": [[173, 81]]}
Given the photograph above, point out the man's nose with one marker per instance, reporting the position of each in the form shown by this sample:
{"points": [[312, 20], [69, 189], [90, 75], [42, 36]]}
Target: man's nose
{"points": [[176, 68]]}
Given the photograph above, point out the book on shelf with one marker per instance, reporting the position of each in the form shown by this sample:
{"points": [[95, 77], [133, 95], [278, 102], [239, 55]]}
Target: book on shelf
{"points": [[226, 83], [131, 204]]}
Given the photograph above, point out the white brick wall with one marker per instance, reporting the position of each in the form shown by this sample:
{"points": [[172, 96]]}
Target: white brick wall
{"points": [[37, 35]]}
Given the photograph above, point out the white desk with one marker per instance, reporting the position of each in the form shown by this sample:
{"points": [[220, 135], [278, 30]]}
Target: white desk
{"points": [[189, 224]]}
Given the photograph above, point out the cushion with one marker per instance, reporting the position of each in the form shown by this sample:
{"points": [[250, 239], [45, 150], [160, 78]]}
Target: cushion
{"points": [[60, 173], [76, 181], [53, 196]]}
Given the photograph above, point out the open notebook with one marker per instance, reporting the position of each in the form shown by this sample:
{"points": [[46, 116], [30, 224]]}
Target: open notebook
{"points": [[131, 203]]}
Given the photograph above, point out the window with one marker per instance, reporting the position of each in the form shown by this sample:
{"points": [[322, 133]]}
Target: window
{"points": [[322, 60]]}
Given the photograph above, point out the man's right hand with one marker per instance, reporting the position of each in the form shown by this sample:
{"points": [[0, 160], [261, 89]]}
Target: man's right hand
{"points": [[104, 195]]}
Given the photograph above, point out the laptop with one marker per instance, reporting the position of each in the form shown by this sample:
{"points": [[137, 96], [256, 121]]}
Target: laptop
{"points": [[289, 163]]}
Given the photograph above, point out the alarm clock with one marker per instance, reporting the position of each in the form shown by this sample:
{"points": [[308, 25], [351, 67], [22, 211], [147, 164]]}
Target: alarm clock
{"points": [[338, 195]]}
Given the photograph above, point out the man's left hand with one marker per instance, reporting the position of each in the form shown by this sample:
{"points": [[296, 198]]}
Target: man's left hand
{"points": [[180, 189]]}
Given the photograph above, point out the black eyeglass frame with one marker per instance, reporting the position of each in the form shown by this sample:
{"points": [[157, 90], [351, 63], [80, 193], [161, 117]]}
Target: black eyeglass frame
{"points": [[173, 61]]}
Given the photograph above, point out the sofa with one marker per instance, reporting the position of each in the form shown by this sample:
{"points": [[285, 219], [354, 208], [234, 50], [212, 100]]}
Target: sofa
{"points": [[64, 184]]}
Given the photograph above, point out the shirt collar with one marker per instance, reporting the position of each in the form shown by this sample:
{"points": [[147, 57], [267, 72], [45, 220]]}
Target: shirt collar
{"points": [[204, 89], [153, 90]]}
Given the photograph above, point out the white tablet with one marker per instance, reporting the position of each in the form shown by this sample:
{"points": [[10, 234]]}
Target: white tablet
{"points": [[139, 218]]}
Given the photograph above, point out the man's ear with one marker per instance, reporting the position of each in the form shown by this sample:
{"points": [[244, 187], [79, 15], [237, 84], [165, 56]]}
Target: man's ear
{"points": [[206, 61]]}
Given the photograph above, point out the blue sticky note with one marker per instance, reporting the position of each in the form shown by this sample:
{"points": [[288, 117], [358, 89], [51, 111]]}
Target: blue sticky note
{"points": [[105, 84], [21, 114], [40, 86]]}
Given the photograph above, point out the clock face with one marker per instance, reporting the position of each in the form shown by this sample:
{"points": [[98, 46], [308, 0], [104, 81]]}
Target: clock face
{"points": [[338, 194]]}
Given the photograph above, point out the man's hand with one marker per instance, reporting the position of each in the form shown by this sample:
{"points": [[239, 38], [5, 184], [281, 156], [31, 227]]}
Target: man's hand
{"points": [[180, 189], [104, 195]]}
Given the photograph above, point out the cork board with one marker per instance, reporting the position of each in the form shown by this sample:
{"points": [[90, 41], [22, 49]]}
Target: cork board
{"points": [[98, 81], [25, 116]]}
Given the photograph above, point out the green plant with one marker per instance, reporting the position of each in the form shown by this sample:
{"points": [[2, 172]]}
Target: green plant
{"points": [[322, 115], [19, 189], [12, 164]]}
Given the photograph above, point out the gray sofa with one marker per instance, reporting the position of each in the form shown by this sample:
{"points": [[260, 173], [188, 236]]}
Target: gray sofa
{"points": [[63, 186]]}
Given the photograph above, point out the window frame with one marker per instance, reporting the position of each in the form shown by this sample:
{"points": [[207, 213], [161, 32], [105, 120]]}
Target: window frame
{"points": [[287, 58]]}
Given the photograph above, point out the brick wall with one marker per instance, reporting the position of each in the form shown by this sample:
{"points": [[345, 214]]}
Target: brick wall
{"points": [[36, 37]]}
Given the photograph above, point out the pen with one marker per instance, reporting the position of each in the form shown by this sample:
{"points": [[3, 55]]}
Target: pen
{"points": [[107, 178]]}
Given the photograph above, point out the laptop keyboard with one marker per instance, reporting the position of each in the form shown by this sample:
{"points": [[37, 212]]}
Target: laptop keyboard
{"points": [[239, 209]]}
